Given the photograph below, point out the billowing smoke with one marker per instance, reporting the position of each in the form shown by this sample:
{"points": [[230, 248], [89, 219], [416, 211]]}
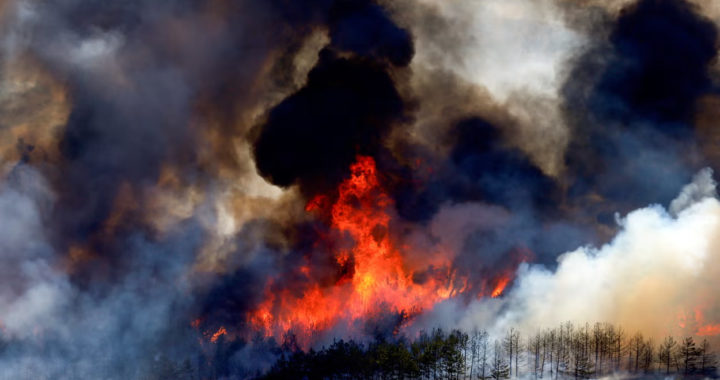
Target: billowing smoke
{"points": [[662, 265], [199, 185]]}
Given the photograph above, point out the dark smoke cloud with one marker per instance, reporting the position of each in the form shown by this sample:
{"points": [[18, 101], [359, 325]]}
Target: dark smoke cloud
{"points": [[312, 137], [631, 102], [659, 68], [481, 166], [365, 29], [347, 106]]}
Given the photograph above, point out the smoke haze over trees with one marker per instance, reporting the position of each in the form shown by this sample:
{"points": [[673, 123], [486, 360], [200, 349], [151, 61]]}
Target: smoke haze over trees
{"points": [[567, 351]]}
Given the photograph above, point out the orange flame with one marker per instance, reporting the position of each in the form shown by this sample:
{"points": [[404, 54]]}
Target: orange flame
{"points": [[696, 322], [709, 330], [221, 331], [500, 287], [376, 274], [705, 328], [379, 279]]}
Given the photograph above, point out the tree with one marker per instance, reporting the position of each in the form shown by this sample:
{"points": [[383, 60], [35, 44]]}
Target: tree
{"points": [[534, 347], [484, 356], [564, 348], [666, 352], [708, 362], [545, 344], [478, 344], [580, 348], [689, 354], [636, 348], [456, 355], [618, 347], [509, 346], [516, 338], [417, 349], [499, 368], [598, 342], [560, 353], [646, 358], [552, 335], [452, 357], [464, 345]]}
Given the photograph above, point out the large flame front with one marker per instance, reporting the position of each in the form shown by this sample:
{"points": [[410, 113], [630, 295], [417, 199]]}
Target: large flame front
{"points": [[378, 278]]}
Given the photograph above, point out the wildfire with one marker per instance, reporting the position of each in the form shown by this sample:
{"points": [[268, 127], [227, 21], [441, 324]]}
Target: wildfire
{"points": [[698, 323], [709, 330], [517, 256], [705, 328], [377, 277], [380, 279]]}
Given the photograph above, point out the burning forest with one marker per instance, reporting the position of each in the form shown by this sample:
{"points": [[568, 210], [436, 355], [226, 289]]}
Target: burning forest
{"points": [[359, 189]]}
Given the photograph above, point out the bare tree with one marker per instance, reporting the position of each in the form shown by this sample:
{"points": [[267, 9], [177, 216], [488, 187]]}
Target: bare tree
{"points": [[618, 346], [474, 346], [516, 339], [646, 358], [552, 338], [484, 355], [545, 338], [562, 353], [635, 350], [511, 344], [478, 351], [581, 363], [534, 347], [598, 341], [499, 368]]}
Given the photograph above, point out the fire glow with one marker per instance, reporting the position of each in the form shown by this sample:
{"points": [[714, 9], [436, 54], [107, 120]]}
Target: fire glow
{"points": [[500, 287], [221, 331], [697, 322], [377, 276]]}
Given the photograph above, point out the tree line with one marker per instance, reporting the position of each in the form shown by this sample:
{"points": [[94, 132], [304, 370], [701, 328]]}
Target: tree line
{"points": [[567, 351]]}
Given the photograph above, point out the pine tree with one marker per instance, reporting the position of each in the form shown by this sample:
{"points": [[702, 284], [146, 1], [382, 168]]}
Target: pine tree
{"points": [[689, 354], [666, 352], [707, 360]]}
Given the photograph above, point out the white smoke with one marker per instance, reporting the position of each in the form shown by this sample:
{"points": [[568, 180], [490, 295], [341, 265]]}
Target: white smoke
{"points": [[703, 186], [513, 53], [59, 331], [508, 45], [658, 276], [31, 290]]}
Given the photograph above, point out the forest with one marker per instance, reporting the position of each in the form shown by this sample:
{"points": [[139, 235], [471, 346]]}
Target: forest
{"points": [[567, 351]]}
